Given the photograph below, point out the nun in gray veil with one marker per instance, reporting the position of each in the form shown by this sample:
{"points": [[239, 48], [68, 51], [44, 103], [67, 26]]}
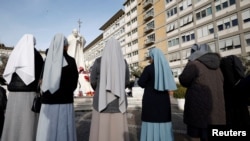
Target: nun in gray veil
{"points": [[57, 120], [109, 76]]}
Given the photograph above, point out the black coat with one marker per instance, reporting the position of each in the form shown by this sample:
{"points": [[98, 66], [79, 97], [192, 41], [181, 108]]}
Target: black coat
{"points": [[68, 83], [236, 91], [3, 103], [156, 105]]}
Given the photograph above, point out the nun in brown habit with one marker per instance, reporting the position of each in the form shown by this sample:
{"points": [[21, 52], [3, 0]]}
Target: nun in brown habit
{"points": [[109, 76]]}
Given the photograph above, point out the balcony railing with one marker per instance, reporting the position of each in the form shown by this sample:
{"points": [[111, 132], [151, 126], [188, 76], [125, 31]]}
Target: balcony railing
{"points": [[149, 41], [147, 4], [148, 29], [148, 16]]}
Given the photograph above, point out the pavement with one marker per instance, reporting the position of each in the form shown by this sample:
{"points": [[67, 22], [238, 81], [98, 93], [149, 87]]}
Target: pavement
{"points": [[83, 120]]}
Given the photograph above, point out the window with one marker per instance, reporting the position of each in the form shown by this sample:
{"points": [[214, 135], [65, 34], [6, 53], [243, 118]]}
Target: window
{"points": [[174, 57], [198, 16], [204, 13], [218, 8], [128, 14], [222, 4], [134, 20], [247, 38], [210, 29], [134, 53], [134, 31], [188, 36], [151, 24], [227, 22], [150, 38], [196, 1], [186, 20], [231, 2], [234, 22], [185, 4], [220, 25], [134, 42], [168, 1], [172, 12], [230, 43], [172, 26], [173, 42], [133, 10], [185, 53], [209, 11], [246, 16], [149, 13]]}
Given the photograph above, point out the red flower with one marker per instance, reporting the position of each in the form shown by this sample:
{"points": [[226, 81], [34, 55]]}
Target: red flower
{"points": [[90, 93], [86, 78], [81, 69]]}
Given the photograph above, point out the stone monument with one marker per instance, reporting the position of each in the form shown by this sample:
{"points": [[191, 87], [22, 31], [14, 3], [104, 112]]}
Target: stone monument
{"points": [[75, 50]]}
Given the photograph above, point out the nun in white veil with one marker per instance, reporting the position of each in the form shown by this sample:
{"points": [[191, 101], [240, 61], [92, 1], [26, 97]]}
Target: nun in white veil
{"points": [[109, 76], [57, 116], [22, 73]]}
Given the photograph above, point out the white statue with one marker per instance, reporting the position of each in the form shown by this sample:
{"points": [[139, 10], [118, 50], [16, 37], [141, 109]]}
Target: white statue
{"points": [[75, 50], [76, 44]]}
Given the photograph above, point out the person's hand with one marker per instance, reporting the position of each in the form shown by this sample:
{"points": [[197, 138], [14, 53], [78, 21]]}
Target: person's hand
{"points": [[40, 82], [171, 93], [79, 39]]}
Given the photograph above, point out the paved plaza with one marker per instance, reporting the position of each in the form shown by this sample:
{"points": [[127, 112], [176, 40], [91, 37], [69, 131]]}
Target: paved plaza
{"points": [[83, 119]]}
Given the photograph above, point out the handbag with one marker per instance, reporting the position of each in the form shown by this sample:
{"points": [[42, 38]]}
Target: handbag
{"points": [[37, 102], [36, 105]]}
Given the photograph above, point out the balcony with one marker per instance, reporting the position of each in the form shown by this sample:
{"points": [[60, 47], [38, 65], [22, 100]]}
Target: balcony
{"points": [[147, 4], [146, 55], [148, 16], [149, 41], [148, 29]]}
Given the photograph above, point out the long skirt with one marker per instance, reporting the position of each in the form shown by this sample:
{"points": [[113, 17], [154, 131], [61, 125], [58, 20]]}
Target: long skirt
{"points": [[56, 123], [157, 131], [20, 122], [109, 127]]}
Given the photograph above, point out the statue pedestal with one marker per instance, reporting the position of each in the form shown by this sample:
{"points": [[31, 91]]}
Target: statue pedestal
{"points": [[83, 88]]}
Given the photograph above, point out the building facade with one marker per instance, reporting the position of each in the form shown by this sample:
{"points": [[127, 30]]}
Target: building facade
{"points": [[175, 25], [114, 27], [223, 24]]}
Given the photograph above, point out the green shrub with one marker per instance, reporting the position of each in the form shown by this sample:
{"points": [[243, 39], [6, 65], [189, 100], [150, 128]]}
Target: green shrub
{"points": [[180, 92]]}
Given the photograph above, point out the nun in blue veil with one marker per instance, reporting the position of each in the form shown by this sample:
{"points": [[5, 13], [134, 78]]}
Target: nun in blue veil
{"points": [[158, 82]]}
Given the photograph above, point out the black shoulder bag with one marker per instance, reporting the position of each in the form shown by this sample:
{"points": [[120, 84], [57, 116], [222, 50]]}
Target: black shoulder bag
{"points": [[37, 103], [36, 106]]}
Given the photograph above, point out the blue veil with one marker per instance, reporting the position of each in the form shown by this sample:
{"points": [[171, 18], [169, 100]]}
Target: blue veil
{"points": [[164, 79]]}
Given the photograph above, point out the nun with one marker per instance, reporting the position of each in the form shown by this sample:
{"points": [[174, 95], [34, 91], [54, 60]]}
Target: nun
{"points": [[109, 77], [57, 116], [22, 74]]}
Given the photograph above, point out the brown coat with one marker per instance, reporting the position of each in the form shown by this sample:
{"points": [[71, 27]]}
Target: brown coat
{"points": [[204, 103]]}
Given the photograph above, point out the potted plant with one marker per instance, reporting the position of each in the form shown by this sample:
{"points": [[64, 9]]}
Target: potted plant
{"points": [[179, 94]]}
